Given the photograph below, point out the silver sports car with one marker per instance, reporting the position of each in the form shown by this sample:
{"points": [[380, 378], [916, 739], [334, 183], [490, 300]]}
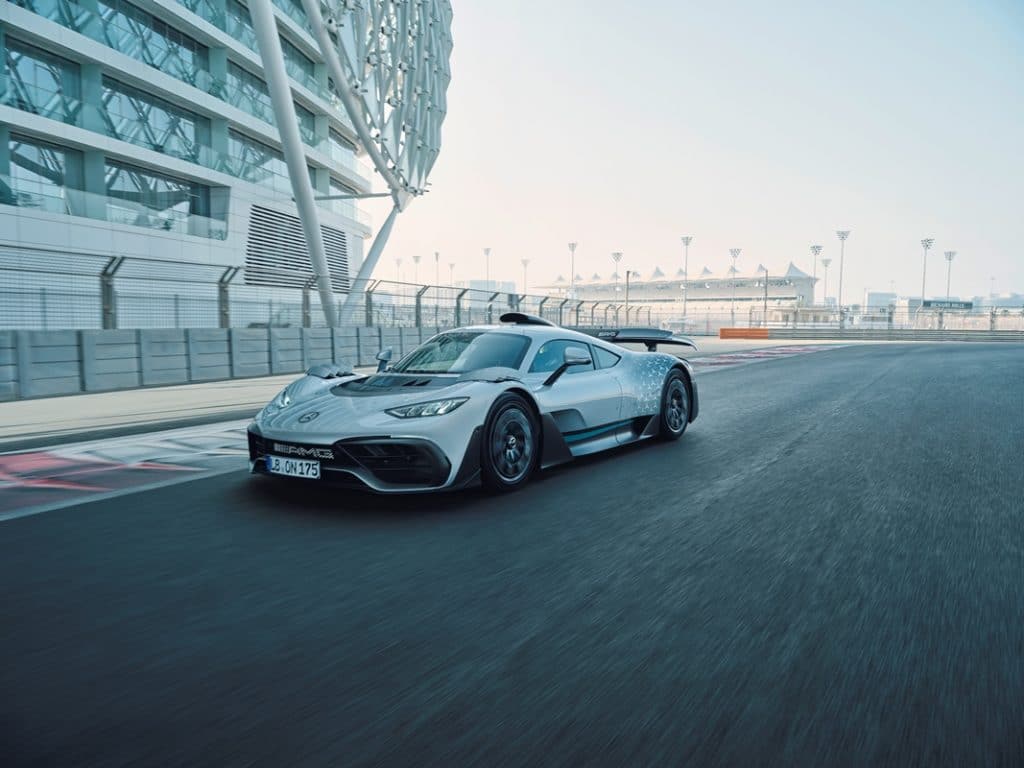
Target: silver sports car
{"points": [[485, 403]]}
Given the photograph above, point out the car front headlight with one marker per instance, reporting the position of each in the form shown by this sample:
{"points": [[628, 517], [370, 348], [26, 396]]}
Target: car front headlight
{"points": [[283, 399], [433, 408]]}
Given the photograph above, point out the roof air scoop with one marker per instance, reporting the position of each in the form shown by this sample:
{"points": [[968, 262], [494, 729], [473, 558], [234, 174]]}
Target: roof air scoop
{"points": [[519, 318]]}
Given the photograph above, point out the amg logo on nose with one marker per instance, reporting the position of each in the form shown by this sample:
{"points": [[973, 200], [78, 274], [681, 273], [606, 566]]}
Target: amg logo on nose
{"points": [[298, 450]]}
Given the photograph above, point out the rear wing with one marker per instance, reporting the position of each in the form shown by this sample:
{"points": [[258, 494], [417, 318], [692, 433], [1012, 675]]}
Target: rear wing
{"points": [[651, 337]]}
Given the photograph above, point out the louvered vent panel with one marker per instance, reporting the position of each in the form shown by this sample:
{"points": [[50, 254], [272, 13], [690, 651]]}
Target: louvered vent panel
{"points": [[276, 254]]}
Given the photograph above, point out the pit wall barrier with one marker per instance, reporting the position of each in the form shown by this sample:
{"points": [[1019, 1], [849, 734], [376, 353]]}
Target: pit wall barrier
{"points": [[48, 363]]}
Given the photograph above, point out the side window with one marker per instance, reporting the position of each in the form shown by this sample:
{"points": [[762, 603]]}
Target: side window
{"points": [[551, 354], [604, 358]]}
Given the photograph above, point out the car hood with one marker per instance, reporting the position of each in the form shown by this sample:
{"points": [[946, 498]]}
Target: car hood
{"points": [[351, 406]]}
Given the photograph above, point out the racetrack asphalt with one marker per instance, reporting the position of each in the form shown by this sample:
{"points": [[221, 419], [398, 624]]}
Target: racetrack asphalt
{"points": [[826, 570]]}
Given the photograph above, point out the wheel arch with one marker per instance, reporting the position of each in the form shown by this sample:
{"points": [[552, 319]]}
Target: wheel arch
{"points": [[553, 448], [691, 388]]}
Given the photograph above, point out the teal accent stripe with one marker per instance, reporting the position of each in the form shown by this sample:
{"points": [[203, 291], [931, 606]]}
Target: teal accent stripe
{"points": [[586, 434]]}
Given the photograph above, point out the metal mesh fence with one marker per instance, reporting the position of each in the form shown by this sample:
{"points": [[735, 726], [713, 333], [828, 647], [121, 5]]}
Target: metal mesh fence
{"points": [[50, 291]]}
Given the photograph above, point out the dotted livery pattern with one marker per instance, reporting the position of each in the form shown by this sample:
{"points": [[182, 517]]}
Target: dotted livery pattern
{"points": [[650, 371]]}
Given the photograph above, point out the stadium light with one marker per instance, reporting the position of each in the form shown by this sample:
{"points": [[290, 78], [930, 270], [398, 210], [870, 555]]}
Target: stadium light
{"points": [[487, 259], [525, 262]]}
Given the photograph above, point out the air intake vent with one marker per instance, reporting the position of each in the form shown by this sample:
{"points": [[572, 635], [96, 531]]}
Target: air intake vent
{"points": [[276, 254]]}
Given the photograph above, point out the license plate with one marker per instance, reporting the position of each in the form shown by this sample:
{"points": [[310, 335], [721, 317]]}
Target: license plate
{"points": [[282, 465]]}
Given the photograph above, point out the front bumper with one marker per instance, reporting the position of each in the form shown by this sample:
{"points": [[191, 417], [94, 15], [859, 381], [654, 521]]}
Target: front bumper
{"points": [[380, 464]]}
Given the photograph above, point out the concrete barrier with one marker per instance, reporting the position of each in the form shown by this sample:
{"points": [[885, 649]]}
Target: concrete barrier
{"points": [[8, 368], [208, 353], [109, 360], [163, 357], [48, 363], [369, 344]]}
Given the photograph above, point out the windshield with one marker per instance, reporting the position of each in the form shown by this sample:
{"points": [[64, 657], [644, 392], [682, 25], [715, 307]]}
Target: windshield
{"points": [[462, 351]]}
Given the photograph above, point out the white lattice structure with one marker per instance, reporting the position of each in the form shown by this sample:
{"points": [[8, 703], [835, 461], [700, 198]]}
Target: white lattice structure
{"points": [[389, 60]]}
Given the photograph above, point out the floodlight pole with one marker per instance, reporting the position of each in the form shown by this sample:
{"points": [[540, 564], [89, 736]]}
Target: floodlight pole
{"points": [[735, 253], [525, 262], [842, 235], [616, 258], [825, 263], [926, 245], [487, 259], [629, 273], [950, 255], [815, 252], [572, 270]]}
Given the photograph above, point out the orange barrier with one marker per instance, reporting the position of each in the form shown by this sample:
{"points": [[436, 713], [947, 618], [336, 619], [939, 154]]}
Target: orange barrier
{"points": [[743, 333]]}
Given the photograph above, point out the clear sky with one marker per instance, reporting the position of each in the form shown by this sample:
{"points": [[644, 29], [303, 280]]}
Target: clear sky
{"points": [[759, 125]]}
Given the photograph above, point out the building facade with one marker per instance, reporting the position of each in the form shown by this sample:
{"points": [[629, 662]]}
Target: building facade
{"points": [[143, 129]]}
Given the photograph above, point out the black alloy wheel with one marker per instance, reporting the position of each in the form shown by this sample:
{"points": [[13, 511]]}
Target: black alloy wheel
{"points": [[675, 406], [510, 448]]}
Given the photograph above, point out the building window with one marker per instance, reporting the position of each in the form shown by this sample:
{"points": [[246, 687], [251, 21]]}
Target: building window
{"points": [[344, 207], [42, 83], [146, 198], [340, 150], [139, 118], [43, 175], [207, 9], [298, 65], [307, 125], [146, 38], [249, 93], [258, 163], [239, 24], [293, 9]]}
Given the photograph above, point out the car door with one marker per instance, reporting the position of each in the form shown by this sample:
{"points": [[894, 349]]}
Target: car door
{"points": [[583, 397]]}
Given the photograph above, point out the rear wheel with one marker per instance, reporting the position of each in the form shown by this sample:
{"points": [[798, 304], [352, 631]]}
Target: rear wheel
{"points": [[510, 448], [675, 406]]}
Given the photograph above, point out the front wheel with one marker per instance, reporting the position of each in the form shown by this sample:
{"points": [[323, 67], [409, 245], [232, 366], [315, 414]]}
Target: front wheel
{"points": [[675, 406], [510, 445]]}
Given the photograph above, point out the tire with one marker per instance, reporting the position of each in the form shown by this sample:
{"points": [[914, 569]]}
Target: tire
{"points": [[675, 406], [510, 449]]}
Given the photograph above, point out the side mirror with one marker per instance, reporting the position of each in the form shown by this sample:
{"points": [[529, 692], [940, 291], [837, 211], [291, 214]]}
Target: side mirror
{"points": [[576, 356], [570, 357], [383, 357]]}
